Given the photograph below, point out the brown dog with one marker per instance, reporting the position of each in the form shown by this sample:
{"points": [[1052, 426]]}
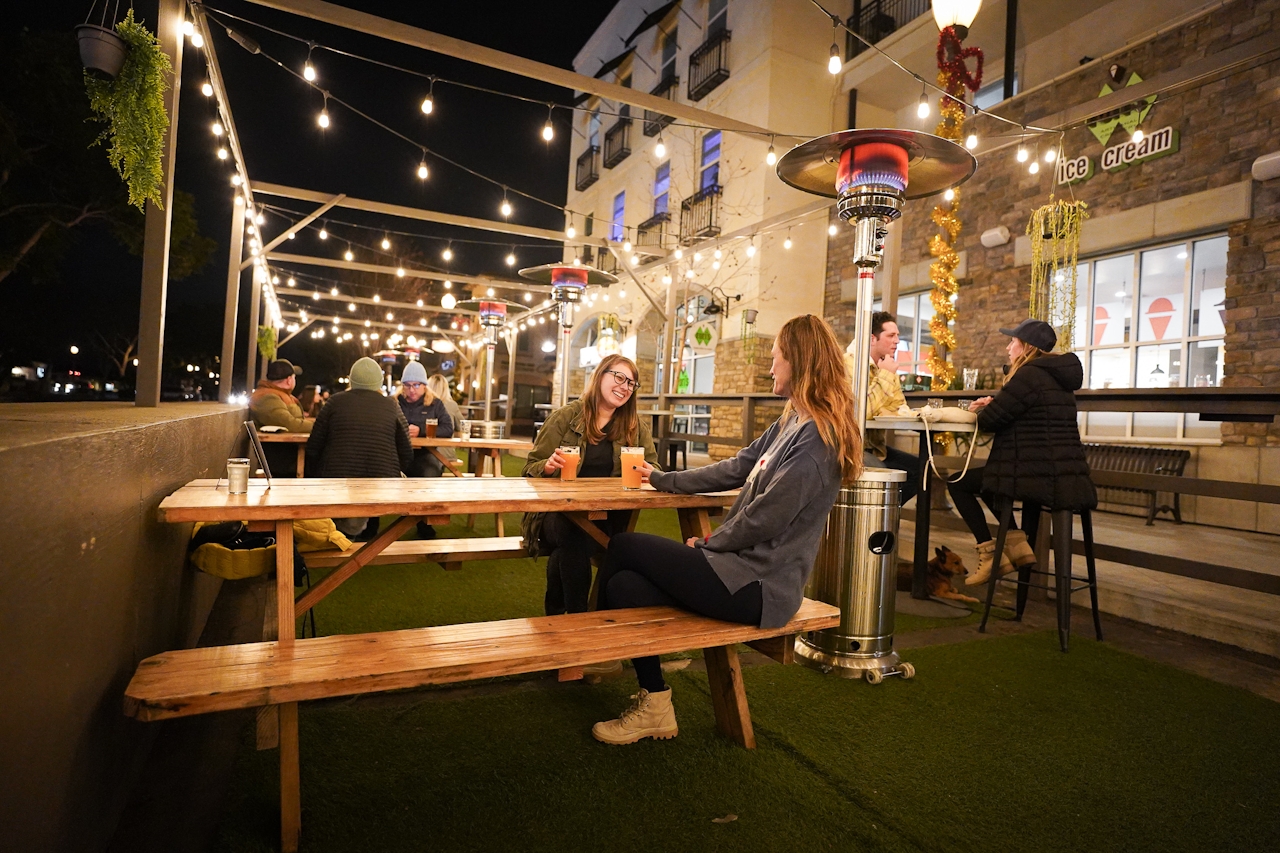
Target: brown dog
{"points": [[942, 568]]}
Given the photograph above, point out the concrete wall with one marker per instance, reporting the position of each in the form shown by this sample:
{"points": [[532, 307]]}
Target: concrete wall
{"points": [[93, 584]]}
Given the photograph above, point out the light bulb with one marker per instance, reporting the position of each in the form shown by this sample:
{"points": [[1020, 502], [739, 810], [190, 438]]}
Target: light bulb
{"points": [[506, 207], [390, 316], [688, 273], [197, 40], [260, 219], [635, 260], [489, 292], [222, 153], [571, 232], [351, 306], [548, 132], [626, 245], [292, 282], [833, 63], [528, 297], [377, 298], [448, 301], [217, 128], [1138, 135], [447, 254], [324, 235], [315, 295], [660, 149], [333, 291], [1051, 155], [679, 253], [349, 255], [400, 272], [771, 157], [386, 243], [427, 105], [922, 109], [236, 181], [309, 72], [971, 141], [751, 250], [832, 230], [666, 279], [511, 259], [323, 119], [697, 256], [786, 244], [718, 254], [1034, 167], [949, 195], [422, 170], [1022, 153], [188, 29], [715, 265], [447, 284], [622, 294]]}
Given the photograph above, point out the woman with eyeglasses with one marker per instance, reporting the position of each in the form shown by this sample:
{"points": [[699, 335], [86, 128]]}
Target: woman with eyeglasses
{"points": [[753, 568], [599, 423]]}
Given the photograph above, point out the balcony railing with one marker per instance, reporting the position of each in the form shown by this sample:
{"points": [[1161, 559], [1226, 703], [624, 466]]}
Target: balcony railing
{"points": [[876, 19], [617, 143], [700, 215], [655, 122], [651, 234], [606, 261], [588, 167], [709, 65]]}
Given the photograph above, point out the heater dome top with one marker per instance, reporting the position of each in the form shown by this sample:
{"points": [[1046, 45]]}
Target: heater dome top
{"points": [[478, 304], [545, 274], [934, 164]]}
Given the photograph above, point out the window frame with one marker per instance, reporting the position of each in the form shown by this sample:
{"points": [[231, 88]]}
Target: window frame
{"points": [[705, 167], [617, 229]]}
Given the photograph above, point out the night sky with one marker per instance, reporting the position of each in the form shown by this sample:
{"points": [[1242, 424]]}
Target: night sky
{"points": [[97, 288]]}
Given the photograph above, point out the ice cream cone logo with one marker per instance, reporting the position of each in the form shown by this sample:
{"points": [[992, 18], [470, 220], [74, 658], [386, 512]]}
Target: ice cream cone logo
{"points": [[1100, 317], [1159, 313]]}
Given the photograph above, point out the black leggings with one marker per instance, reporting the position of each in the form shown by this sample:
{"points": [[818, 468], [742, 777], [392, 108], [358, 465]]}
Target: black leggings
{"points": [[569, 561], [645, 570], [965, 493]]}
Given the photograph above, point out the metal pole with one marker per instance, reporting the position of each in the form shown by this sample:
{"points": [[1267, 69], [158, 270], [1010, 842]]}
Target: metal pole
{"points": [[862, 345], [510, 340], [490, 348], [155, 251], [251, 350], [232, 309]]}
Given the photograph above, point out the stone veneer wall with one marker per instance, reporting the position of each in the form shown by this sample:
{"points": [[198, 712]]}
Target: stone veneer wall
{"points": [[735, 376]]}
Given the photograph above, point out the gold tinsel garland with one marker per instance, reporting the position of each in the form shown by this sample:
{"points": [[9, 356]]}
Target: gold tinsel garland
{"points": [[1054, 230], [942, 272]]}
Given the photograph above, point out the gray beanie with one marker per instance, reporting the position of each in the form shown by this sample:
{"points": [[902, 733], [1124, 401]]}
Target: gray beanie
{"points": [[366, 375], [414, 372]]}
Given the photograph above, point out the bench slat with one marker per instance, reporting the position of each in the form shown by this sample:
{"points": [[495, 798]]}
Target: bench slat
{"points": [[427, 550], [197, 681]]}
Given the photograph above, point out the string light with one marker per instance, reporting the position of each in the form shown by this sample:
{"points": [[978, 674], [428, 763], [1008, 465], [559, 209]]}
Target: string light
{"points": [[511, 258], [333, 291], [489, 292], [206, 89], [292, 282], [751, 248], [622, 294], [423, 172], [679, 253], [949, 195], [377, 298], [697, 257], [217, 128], [660, 148], [222, 153], [309, 72], [922, 109], [1022, 147], [832, 230], [1034, 167], [323, 118], [833, 62], [260, 219], [528, 297], [549, 132], [717, 254], [1138, 135], [971, 141], [448, 301], [771, 157], [447, 254], [351, 306], [386, 243], [324, 234], [506, 205], [428, 103], [349, 255], [399, 272], [1051, 155], [786, 244], [197, 40], [448, 285]]}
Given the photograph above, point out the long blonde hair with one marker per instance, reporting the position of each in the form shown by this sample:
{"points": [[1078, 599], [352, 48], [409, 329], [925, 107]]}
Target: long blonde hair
{"points": [[1030, 352], [625, 425], [820, 387]]}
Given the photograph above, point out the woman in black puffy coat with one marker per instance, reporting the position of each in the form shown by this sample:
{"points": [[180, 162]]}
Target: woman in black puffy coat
{"points": [[1036, 454]]}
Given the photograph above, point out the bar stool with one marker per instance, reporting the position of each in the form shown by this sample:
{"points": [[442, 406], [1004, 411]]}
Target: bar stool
{"points": [[1061, 547], [674, 448]]}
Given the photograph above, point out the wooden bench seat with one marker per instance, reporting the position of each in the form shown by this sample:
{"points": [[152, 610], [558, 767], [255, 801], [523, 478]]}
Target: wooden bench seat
{"points": [[450, 553], [200, 681]]}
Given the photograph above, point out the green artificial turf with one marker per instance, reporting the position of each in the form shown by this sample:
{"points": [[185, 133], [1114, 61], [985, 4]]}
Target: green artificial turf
{"points": [[1000, 744]]}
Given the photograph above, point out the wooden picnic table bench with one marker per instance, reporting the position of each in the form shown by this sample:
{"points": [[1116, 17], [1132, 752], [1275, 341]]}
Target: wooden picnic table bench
{"points": [[205, 680]]}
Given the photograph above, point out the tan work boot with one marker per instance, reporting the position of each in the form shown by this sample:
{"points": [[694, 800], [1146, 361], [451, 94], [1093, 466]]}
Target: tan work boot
{"points": [[596, 672], [650, 715], [1017, 549], [986, 557]]}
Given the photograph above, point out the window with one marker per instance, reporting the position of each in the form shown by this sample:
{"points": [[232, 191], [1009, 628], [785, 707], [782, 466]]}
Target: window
{"points": [[915, 339], [669, 46], [589, 225], [619, 209], [717, 17], [593, 129], [710, 175], [1153, 319], [993, 93], [661, 188], [696, 373]]}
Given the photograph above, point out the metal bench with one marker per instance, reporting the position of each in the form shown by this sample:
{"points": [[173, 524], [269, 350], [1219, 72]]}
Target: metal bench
{"points": [[1138, 460]]}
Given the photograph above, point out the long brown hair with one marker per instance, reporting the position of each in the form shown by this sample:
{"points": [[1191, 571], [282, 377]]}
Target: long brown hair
{"points": [[625, 425], [1030, 352], [821, 388]]}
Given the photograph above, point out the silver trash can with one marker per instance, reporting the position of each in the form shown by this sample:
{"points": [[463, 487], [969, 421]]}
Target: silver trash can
{"points": [[488, 429], [856, 570]]}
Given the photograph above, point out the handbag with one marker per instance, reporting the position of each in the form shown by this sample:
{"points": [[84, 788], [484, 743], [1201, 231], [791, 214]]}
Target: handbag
{"points": [[949, 415]]}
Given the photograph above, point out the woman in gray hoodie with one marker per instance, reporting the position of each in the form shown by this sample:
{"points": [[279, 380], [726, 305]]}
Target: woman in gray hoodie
{"points": [[753, 568]]}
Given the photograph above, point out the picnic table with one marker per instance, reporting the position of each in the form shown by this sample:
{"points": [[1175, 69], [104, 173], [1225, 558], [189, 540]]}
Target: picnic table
{"points": [[920, 557], [491, 447]]}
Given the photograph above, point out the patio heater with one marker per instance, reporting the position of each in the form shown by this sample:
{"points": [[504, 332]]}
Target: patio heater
{"points": [[568, 282], [870, 173], [492, 317]]}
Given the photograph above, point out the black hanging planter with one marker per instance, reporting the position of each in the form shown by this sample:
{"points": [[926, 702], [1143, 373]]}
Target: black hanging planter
{"points": [[102, 51]]}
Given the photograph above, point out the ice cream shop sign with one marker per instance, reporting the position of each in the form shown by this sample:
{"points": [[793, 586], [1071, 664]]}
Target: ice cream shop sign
{"points": [[1158, 143]]}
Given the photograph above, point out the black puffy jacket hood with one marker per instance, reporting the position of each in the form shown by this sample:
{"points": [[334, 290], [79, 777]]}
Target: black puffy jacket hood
{"points": [[1065, 368]]}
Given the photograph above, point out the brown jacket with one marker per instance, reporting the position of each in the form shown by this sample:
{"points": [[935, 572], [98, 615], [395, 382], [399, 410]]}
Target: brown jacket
{"points": [[270, 406]]}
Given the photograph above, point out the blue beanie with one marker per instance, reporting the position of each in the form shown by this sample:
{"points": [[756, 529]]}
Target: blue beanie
{"points": [[414, 372], [366, 375]]}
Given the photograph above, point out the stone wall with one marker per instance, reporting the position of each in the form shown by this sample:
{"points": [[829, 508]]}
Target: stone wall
{"points": [[735, 376]]}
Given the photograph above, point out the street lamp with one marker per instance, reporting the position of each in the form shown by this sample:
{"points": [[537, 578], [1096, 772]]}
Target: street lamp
{"points": [[956, 13]]}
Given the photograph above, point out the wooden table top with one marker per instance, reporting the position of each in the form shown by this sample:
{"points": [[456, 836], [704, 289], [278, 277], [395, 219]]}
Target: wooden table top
{"points": [[476, 443], [917, 425], [355, 497]]}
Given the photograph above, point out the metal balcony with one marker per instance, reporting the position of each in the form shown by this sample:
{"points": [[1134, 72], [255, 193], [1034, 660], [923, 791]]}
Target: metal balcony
{"points": [[709, 65], [617, 142], [878, 19], [700, 215], [588, 167], [655, 122], [651, 235]]}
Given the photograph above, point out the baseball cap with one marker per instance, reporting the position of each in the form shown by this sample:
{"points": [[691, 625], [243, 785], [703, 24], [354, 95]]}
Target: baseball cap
{"points": [[1038, 333], [282, 369]]}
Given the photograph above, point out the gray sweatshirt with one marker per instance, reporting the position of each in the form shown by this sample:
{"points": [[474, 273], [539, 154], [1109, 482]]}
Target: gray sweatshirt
{"points": [[789, 481]]}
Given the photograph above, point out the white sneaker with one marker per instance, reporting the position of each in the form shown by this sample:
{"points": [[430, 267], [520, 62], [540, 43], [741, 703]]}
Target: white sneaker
{"points": [[650, 715]]}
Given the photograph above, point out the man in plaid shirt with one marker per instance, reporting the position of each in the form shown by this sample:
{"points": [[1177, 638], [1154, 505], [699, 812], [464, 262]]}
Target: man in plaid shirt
{"points": [[884, 397]]}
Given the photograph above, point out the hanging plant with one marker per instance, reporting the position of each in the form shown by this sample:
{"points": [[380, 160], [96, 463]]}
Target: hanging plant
{"points": [[267, 342], [132, 105], [1054, 230]]}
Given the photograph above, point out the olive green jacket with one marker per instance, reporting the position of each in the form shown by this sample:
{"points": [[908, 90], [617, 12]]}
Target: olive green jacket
{"points": [[565, 428]]}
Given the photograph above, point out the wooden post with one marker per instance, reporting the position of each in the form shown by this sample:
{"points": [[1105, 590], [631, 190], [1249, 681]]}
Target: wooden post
{"points": [[155, 247], [290, 779], [729, 695], [226, 372]]}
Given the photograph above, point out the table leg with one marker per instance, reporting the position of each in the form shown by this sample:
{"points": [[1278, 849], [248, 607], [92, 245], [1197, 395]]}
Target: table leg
{"points": [[449, 464], [331, 582], [290, 779], [920, 571], [302, 459], [694, 521], [496, 455], [285, 625], [268, 728]]}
